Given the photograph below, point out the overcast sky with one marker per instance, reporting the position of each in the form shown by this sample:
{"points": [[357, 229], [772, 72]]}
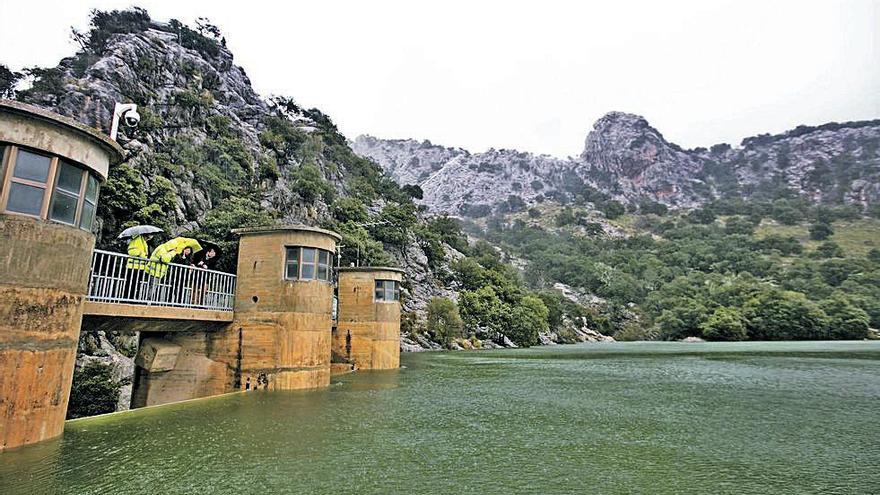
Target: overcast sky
{"points": [[527, 75]]}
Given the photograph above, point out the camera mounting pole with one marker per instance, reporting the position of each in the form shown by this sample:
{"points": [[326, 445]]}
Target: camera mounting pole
{"points": [[118, 111]]}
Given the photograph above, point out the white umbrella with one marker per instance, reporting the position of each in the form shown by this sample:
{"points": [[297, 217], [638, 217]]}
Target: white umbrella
{"points": [[139, 230]]}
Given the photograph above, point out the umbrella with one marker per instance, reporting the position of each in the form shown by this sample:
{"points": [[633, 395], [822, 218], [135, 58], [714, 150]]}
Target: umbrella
{"points": [[139, 230], [181, 243], [207, 246]]}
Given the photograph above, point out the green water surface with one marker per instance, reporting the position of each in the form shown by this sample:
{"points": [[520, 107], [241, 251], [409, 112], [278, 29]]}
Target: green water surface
{"points": [[738, 418]]}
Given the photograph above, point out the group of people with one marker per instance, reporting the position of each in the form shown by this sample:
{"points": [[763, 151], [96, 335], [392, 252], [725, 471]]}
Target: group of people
{"points": [[152, 267]]}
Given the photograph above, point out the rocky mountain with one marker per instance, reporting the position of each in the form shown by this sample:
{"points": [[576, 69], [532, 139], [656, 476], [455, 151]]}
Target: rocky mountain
{"points": [[627, 160], [211, 155]]}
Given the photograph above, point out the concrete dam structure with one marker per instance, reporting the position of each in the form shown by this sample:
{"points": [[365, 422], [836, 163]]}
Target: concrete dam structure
{"points": [[277, 324]]}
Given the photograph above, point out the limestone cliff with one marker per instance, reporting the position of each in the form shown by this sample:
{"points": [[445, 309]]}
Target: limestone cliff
{"points": [[626, 159]]}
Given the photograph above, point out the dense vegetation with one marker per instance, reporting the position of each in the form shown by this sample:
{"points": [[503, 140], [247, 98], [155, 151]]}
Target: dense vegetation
{"points": [[94, 391], [727, 271]]}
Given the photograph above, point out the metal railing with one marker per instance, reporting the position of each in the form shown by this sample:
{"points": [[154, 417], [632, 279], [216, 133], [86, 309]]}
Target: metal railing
{"points": [[122, 279]]}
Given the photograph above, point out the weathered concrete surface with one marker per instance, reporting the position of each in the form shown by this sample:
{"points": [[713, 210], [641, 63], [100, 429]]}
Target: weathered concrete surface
{"points": [[367, 331], [192, 374], [157, 355], [44, 270], [280, 338]]}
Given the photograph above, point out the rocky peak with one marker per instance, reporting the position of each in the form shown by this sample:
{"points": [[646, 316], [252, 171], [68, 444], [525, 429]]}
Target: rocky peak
{"points": [[626, 145]]}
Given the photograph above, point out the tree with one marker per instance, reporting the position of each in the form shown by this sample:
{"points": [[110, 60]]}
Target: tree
{"points": [[8, 80], [783, 315], [528, 319], [612, 209], [310, 184], [845, 321], [820, 231], [482, 310], [565, 217], [739, 225], [349, 210], [703, 216], [414, 191], [443, 320], [828, 249], [724, 324]]}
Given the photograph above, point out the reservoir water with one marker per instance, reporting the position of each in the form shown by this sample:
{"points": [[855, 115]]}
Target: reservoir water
{"points": [[737, 418]]}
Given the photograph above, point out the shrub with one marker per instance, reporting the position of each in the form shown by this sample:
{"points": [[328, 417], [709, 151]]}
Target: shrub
{"points": [[310, 184], [349, 210], [612, 209], [784, 315], [820, 231], [443, 320], [94, 391], [724, 324]]}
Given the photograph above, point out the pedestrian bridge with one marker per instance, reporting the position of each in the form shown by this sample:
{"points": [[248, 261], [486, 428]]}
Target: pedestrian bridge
{"points": [[144, 292]]}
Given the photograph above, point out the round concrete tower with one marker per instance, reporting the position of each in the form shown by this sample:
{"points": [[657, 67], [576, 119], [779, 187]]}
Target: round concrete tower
{"points": [[368, 329], [280, 337], [51, 168]]}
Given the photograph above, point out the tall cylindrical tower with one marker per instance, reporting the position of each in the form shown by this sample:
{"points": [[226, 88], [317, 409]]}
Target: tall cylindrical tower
{"points": [[51, 168], [368, 327], [280, 337]]}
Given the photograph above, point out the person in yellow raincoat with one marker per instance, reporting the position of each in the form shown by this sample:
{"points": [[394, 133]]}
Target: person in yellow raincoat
{"points": [[164, 253], [137, 247]]}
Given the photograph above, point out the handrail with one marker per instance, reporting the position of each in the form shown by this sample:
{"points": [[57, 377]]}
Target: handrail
{"points": [[123, 279]]}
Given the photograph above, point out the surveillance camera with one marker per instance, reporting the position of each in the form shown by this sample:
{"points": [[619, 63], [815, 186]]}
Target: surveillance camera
{"points": [[132, 118]]}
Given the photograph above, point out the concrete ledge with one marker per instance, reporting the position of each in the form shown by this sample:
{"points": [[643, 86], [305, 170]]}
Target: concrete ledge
{"points": [[93, 308]]}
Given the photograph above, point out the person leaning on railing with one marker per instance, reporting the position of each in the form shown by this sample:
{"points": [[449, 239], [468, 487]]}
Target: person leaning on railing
{"points": [[165, 253]]}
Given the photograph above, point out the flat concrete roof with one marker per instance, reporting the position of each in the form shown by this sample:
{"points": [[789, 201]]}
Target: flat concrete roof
{"points": [[371, 269], [270, 229], [116, 151]]}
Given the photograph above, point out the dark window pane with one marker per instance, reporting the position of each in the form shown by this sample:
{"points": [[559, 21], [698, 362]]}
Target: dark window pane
{"points": [[69, 178], [25, 199], [293, 254], [292, 269], [323, 272], [324, 257], [308, 271], [63, 208], [308, 255], [87, 216], [92, 189], [380, 294], [31, 166]]}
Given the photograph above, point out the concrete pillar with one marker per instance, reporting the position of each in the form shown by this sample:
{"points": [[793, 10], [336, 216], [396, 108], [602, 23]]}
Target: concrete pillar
{"points": [[368, 327], [44, 263], [280, 337]]}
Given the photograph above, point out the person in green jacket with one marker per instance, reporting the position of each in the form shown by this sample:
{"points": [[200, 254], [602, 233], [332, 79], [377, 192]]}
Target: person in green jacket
{"points": [[137, 247]]}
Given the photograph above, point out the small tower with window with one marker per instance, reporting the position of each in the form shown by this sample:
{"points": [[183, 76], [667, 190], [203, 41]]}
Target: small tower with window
{"points": [[51, 168], [280, 337], [368, 328]]}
